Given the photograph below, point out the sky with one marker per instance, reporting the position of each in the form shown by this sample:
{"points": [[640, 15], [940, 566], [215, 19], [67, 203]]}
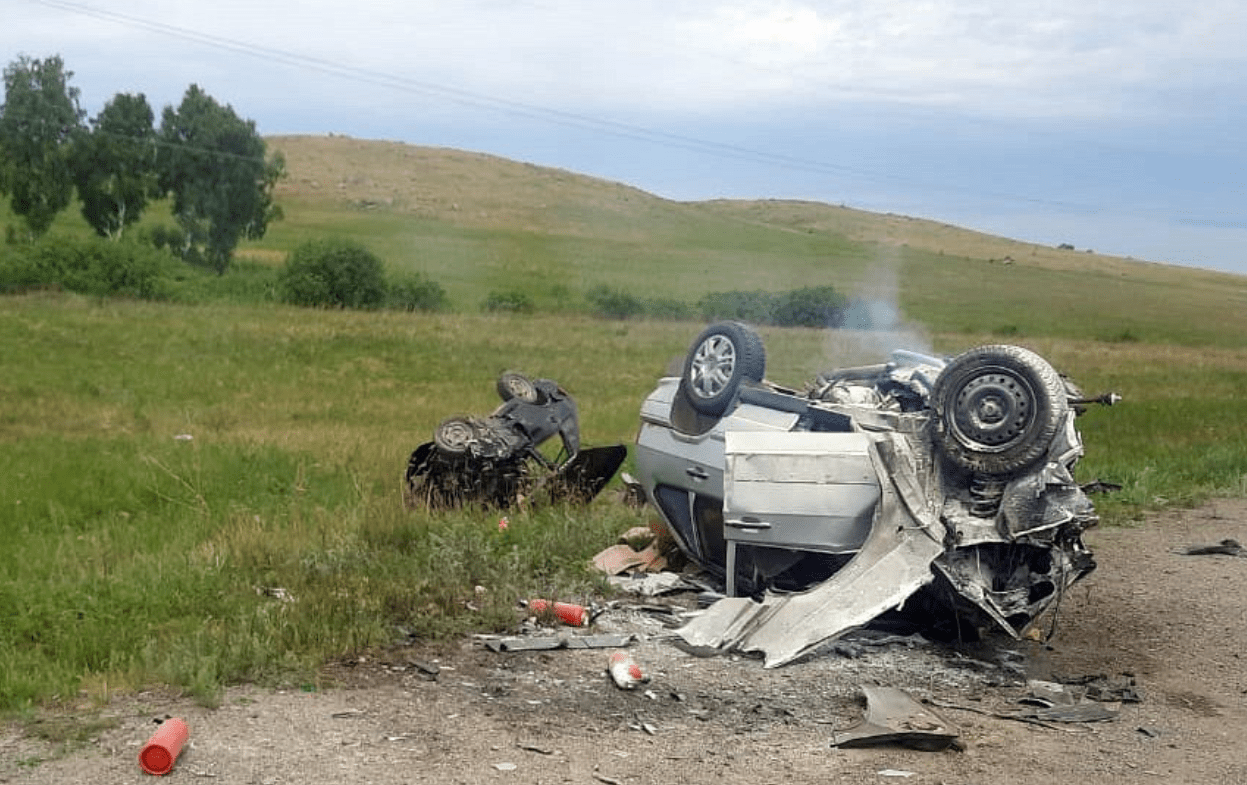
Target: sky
{"points": [[1110, 125]]}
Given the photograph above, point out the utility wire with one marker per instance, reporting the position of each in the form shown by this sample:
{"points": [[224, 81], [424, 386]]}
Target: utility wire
{"points": [[562, 117], [518, 108]]}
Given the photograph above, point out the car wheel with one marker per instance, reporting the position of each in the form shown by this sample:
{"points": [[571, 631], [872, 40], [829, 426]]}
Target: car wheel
{"points": [[453, 435], [516, 385], [723, 356], [997, 409]]}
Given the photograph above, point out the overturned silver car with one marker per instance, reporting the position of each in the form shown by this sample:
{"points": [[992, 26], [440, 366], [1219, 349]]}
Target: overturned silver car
{"points": [[942, 489]]}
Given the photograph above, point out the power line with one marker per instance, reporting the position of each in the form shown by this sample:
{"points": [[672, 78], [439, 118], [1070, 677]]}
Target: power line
{"points": [[547, 114], [518, 108]]}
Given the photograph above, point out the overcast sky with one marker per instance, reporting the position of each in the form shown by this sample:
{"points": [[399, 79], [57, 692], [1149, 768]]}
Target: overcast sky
{"points": [[1113, 125]]}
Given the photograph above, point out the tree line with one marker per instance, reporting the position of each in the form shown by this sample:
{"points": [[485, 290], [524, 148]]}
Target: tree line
{"points": [[211, 163]]}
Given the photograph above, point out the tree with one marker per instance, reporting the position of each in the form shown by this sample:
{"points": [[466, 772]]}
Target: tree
{"points": [[115, 165], [214, 165], [38, 122]]}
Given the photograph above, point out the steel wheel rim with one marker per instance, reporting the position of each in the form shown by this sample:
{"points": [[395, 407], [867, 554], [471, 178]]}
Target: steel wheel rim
{"points": [[455, 435], [993, 410]]}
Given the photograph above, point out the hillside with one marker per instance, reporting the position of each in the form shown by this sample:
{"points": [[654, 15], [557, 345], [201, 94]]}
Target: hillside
{"points": [[480, 223]]}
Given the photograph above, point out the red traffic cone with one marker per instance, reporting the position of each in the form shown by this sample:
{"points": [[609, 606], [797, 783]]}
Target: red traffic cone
{"points": [[568, 613], [625, 672], [163, 748]]}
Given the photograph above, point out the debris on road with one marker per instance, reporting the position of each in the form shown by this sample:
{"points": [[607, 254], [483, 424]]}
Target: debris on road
{"points": [[163, 748], [566, 612], [1226, 547], [639, 549], [892, 717], [551, 642], [625, 672], [653, 584]]}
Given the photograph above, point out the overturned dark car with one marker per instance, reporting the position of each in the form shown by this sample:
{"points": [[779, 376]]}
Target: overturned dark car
{"points": [[941, 487], [497, 461]]}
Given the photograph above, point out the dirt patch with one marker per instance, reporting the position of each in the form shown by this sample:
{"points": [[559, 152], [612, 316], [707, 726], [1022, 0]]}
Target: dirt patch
{"points": [[1174, 623]]}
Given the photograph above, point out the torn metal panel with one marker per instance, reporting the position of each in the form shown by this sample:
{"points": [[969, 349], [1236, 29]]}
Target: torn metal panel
{"points": [[892, 717], [892, 564]]}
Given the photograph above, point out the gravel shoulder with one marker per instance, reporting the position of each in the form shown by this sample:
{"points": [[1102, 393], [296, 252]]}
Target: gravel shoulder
{"points": [[1175, 624]]}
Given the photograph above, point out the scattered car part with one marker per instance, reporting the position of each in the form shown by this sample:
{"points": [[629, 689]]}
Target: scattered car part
{"points": [[919, 482], [1226, 547], [495, 460], [892, 717]]}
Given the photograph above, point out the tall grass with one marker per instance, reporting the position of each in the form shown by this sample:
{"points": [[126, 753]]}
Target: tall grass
{"points": [[199, 495]]}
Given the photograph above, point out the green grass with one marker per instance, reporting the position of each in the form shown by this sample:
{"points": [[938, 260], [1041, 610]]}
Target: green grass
{"points": [[135, 557], [275, 538]]}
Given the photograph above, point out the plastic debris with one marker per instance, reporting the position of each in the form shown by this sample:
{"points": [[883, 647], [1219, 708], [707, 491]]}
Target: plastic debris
{"points": [[162, 749], [566, 612], [625, 672]]}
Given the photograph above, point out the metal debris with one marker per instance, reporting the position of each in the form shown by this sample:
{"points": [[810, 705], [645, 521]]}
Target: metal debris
{"points": [[1226, 547], [892, 717], [495, 460], [551, 642]]}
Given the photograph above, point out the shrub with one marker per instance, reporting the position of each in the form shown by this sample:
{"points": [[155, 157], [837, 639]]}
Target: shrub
{"points": [[614, 303], [415, 292], [332, 274], [810, 306], [669, 309], [507, 302], [755, 307], [91, 266]]}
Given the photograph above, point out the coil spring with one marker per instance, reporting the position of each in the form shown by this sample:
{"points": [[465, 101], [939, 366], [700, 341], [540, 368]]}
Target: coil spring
{"points": [[985, 495]]}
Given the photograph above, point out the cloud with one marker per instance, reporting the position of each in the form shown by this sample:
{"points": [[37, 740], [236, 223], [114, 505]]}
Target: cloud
{"points": [[694, 58]]}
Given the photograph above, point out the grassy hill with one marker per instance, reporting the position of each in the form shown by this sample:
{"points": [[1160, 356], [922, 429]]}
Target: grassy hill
{"points": [[478, 223]]}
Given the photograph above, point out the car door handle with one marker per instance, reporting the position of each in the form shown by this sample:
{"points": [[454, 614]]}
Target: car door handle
{"points": [[697, 473], [747, 522]]}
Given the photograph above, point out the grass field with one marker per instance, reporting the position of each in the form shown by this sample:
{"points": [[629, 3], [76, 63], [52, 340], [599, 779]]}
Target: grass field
{"points": [[200, 494]]}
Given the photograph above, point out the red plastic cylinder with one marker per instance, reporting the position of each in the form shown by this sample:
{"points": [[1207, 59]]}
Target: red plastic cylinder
{"points": [[163, 748], [568, 613]]}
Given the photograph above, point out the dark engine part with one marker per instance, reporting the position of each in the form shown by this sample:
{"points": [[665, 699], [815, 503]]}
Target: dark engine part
{"points": [[495, 460]]}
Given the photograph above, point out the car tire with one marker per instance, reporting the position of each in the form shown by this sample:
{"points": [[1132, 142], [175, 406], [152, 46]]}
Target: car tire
{"points": [[516, 385], [454, 435], [997, 408], [723, 356]]}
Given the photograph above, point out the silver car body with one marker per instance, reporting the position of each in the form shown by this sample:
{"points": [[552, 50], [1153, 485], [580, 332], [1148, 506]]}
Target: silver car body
{"points": [[848, 473]]}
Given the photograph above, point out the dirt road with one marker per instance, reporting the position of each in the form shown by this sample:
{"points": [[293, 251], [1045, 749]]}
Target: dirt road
{"points": [[1175, 623]]}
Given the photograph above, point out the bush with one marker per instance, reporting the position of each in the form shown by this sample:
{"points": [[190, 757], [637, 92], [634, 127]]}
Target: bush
{"points": [[507, 302], [614, 303], [415, 292], [91, 266], [332, 274], [820, 306], [810, 306], [668, 309], [755, 307]]}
